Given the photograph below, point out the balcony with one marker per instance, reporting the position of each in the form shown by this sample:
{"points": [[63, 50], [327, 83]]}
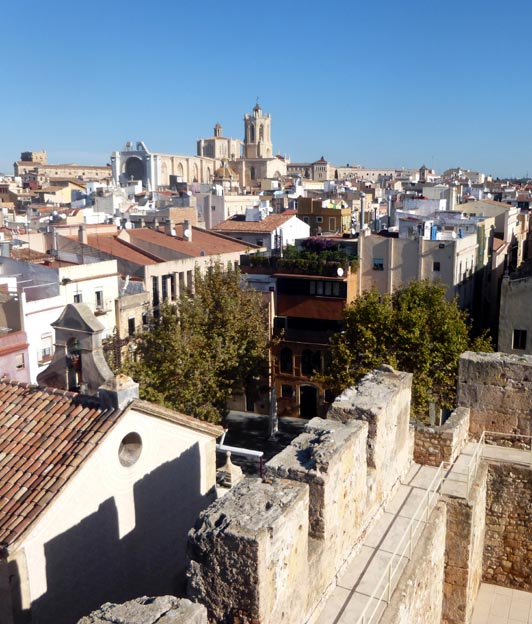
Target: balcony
{"points": [[326, 263]]}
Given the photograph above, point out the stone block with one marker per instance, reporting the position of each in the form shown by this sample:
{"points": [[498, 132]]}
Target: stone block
{"points": [[331, 458], [146, 610], [382, 399], [249, 554]]}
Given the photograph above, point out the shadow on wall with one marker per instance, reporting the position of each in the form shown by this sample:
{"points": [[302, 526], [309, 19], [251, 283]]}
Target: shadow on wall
{"points": [[89, 565]]}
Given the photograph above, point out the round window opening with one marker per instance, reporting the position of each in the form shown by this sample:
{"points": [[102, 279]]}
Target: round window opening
{"points": [[130, 449]]}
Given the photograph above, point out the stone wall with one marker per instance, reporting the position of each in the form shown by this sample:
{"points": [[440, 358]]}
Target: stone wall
{"points": [[463, 550], [508, 543], [249, 554], [382, 399], [432, 445], [160, 610], [418, 597], [497, 388], [331, 458]]}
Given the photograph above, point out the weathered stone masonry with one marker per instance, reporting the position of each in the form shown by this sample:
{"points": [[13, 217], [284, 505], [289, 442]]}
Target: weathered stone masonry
{"points": [[508, 542]]}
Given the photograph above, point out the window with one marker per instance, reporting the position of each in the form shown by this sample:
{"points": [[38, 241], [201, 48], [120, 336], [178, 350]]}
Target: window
{"points": [[319, 219], [286, 360], [378, 264], [435, 266], [305, 219], [99, 299], [130, 449], [260, 242], [131, 326], [519, 339], [19, 361], [287, 391], [45, 354], [77, 298], [306, 362]]}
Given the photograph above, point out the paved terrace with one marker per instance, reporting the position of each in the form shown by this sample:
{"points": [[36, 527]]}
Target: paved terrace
{"points": [[502, 605]]}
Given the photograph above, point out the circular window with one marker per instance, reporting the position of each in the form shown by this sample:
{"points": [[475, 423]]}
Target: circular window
{"points": [[130, 449]]}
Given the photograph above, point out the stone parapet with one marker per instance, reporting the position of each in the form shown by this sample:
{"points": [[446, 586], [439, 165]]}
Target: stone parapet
{"points": [[433, 445], [331, 458], [382, 399], [249, 554], [145, 610], [497, 388]]}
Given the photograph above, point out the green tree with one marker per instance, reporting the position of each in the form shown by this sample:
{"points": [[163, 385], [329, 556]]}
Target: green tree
{"points": [[415, 330], [207, 347]]}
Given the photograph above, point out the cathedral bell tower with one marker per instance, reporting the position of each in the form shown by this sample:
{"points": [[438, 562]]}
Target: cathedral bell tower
{"points": [[257, 137]]}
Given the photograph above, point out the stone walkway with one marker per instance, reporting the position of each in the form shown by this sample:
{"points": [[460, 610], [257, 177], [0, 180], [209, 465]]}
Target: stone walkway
{"points": [[361, 577], [502, 605], [455, 483]]}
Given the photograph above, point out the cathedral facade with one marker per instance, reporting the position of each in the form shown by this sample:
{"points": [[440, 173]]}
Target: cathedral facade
{"points": [[251, 160]]}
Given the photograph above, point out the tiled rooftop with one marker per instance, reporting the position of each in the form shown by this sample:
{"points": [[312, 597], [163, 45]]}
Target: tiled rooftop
{"points": [[45, 434], [269, 224], [110, 244], [203, 242]]}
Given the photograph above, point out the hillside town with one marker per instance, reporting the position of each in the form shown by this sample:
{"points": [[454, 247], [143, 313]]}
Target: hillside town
{"points": [[290, 504]]}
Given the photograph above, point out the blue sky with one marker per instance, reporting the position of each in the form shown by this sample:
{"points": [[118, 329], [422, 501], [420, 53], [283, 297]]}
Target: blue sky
{"points": [[381, 84]]}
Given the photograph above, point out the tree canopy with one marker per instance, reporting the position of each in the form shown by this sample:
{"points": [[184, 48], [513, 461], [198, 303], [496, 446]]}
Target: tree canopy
{"points": [[415, 330], [209, 345]]}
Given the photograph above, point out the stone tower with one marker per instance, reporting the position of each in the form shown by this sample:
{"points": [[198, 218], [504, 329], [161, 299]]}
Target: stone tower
{"points": [[257, 137]]}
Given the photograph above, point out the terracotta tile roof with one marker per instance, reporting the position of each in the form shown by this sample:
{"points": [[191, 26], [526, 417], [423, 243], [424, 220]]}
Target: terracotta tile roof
{"points": [[110, 244], [28, 255], [267, 225], [203, 243], [44, 436]]}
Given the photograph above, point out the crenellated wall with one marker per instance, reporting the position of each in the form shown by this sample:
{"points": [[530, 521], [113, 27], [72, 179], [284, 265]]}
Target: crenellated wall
{"points": [[382, 399], [433, 445], [290, 534]]}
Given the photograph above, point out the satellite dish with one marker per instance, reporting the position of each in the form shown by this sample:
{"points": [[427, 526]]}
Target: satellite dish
{"points": [[339, 271], [187, 233]]}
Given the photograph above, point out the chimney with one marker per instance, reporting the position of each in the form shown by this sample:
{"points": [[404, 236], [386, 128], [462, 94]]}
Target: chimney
{"points": [[187, 231], [169, 228], [82, 235]]}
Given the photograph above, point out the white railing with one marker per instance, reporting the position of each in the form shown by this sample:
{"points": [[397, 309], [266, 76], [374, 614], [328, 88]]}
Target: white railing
{"points": [[386, 584], [510, 435]]}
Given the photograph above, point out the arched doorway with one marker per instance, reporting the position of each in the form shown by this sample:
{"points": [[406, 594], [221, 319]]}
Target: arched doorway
{"points": [[308, 402]]}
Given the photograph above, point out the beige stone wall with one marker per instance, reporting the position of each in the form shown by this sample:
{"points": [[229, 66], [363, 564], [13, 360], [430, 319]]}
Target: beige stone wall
{"points": [[249, 554], [382, 399], [418, 597], [497, 388], [463, 551], [331, 458], [508, 544], [433, 445], [149, 610]]}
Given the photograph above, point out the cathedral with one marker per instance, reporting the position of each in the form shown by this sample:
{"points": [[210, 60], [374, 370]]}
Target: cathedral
{"points": [[250, 160]]}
